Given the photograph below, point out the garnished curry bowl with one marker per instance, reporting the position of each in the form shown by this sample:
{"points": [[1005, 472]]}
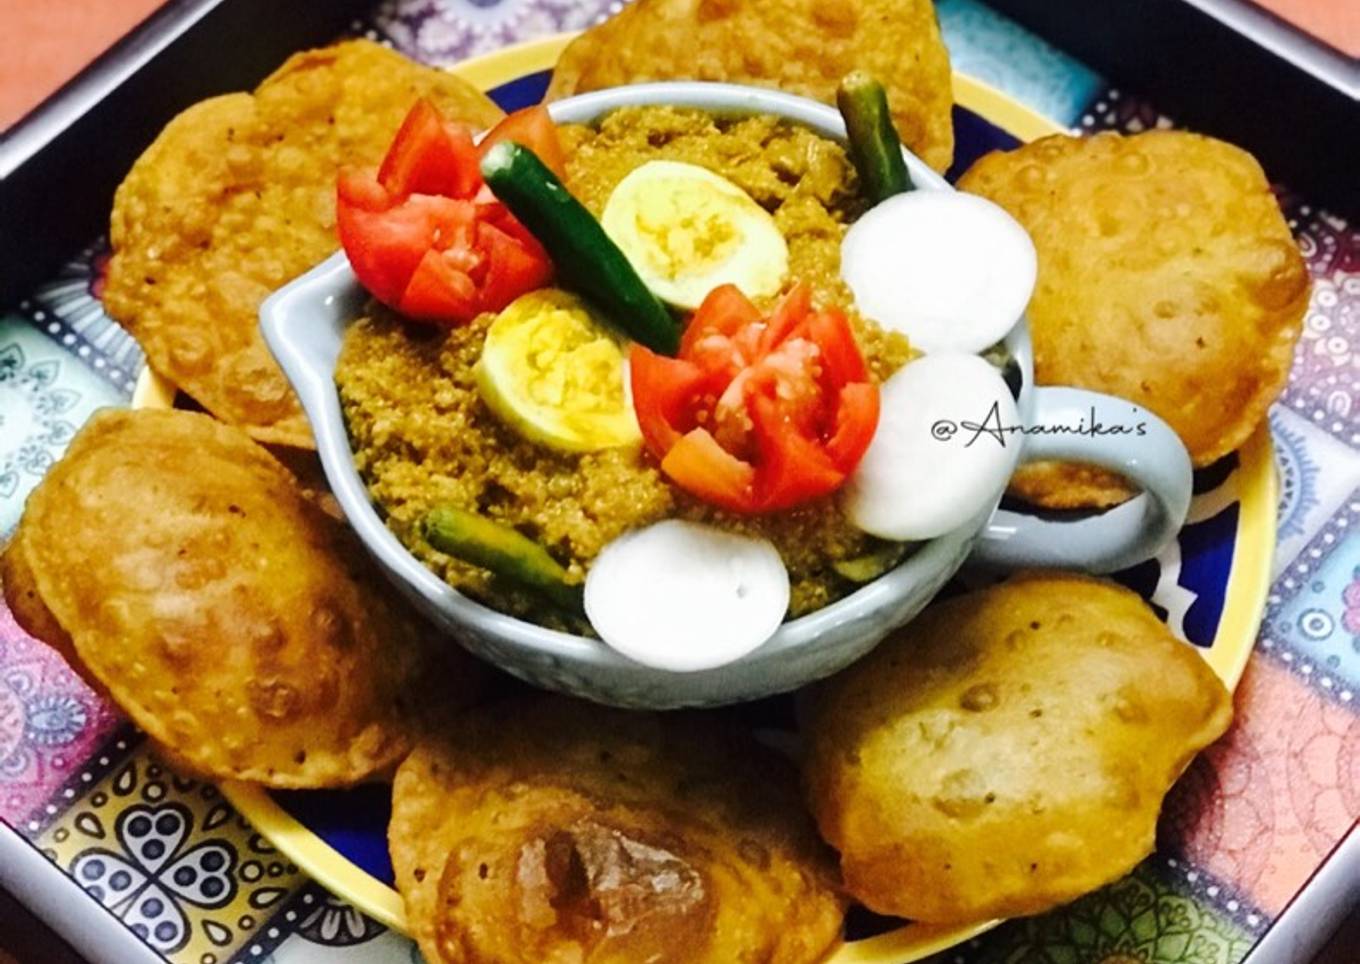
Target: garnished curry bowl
{"points": [[305, 324]]}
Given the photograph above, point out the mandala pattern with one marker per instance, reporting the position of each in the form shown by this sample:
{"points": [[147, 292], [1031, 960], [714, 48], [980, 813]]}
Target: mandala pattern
{"points": [[446, 31], [314, 926], [1323, 385], [33, 410], [49, 721], [1298, 479], [1322, 762], [168, 856], [1311, 630], [1221, 811], [1318, 507], [336, 923], [68, 309], [13, 722], [1139, 920], [1263, 806], [150, 879]]}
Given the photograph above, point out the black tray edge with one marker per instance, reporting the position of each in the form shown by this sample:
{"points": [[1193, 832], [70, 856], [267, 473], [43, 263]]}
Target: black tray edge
{"points": [[86, 136], [1317, 911], [1214, 74]]}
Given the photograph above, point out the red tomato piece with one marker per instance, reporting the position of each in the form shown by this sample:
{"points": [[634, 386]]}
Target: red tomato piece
{"points": [[856, 420], [438, 289], [757, 414], [386, 245], [430, 156], [795, 467], [704, 468], [530, 127], [514, 266], [662, 390], [840, 354], [360, 189], [424, 234]]}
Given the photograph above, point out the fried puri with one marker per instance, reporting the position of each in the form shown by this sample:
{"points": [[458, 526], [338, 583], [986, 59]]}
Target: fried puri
{"points": [[235, 198], [27, 606], [1167, 276], [1008, 750], [544, 829], [800, 46], [241, 627]]}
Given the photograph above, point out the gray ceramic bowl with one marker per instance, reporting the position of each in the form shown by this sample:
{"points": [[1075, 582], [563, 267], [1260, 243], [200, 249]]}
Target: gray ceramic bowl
{"points": [[305, 321]]}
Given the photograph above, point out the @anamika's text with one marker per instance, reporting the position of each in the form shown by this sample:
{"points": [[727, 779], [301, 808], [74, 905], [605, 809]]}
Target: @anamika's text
{"points": [[968, 432]]}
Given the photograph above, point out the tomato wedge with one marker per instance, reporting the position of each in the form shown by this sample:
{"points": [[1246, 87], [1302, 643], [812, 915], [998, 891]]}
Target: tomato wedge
{"points": [[423, 233], [531, 127], [757, 414]]}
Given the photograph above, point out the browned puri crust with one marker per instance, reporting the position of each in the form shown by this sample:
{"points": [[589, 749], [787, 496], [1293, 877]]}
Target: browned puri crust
{"points": [[1008, 750], [237, 624], [800, 46], [236, 197], [1167, 276], [548, 829]]}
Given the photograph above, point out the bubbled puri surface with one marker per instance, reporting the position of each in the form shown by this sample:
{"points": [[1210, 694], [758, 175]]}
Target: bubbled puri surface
{"points": [[546, 829], [238, 624], [1008, 750], [1167, 275], [235, 198], [801, 46]]}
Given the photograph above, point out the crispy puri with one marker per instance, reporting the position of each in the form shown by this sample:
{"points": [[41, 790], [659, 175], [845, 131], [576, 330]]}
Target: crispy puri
{"points": [[236, 623], [305, 465], [28, 608], [545, 829], [18, 580], [235, 198], [1008, 750], [801, 46], [1167, 275]]}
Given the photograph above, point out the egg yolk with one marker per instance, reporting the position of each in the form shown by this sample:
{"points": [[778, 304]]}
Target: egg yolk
{"points": [[689, 227], [570, 362]]}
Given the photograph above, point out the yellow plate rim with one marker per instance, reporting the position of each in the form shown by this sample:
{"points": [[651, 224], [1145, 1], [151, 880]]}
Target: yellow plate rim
{"points": [[1243, 605]]}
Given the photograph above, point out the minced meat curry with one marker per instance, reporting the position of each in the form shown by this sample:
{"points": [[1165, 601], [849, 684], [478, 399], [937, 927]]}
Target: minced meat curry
{"points": [[423, 436]]}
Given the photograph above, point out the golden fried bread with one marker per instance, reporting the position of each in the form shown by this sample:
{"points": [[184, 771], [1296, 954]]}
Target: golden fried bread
{"points": [[1167, 275], [237, 197], [236, 623], [1008, 750], [800, 46], [26, 603], [548, 830]]}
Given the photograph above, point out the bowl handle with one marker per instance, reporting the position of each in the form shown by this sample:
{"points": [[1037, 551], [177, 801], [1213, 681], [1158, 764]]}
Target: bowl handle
{"points": [[1075, 425]]}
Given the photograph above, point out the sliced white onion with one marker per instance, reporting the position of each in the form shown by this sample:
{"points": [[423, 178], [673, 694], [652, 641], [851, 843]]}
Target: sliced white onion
{"points": [[951, 271], [926, 471], [684, 596]]}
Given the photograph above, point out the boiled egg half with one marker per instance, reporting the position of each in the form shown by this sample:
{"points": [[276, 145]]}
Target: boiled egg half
{"points": [[687, 230]]}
